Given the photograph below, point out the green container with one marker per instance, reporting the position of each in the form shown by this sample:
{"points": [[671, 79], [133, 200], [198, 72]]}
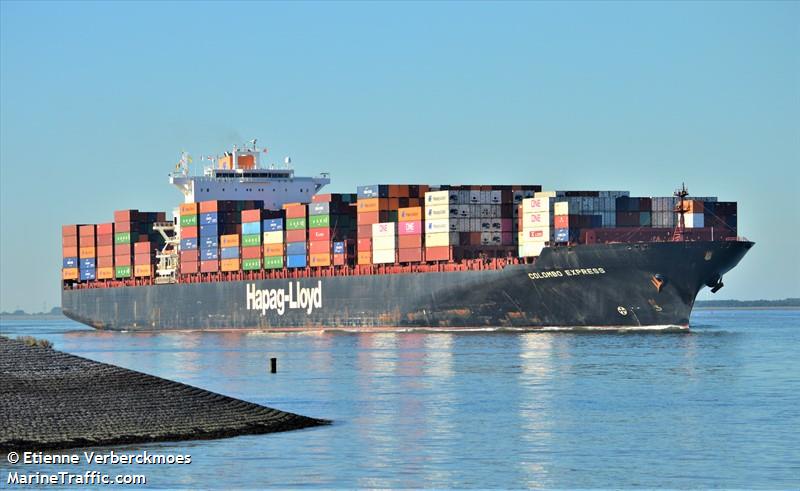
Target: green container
{"points": [[125, 237], [122, 271], [251, 264], [295, 223], [319, 221], [273, 262], [251, 240], [188, 220]]}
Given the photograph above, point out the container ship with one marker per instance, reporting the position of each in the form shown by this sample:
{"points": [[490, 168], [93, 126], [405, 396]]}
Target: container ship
{"points": [[253, 246]]}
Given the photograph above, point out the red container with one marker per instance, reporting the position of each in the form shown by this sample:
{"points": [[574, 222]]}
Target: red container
{"points": [[319, 247], [88, 241], [69, 241], [105, 250], [209, 266], [251, 216], [295, 236], [105, 261], [364, 245], [409, 241], [104, 240], [126, 216], [188, 232], [409, 228], [296, 211], [561, 221], [123, 250], [122, 260], [364, 231], [209, 206], [189, 267], [142, 247], [189, 256], [409, 255], [251, 252], [122, 227], [317, 234], [139, 259], [437, 253], [105, 229], [69, 230], [86, 230], [338, 259]]}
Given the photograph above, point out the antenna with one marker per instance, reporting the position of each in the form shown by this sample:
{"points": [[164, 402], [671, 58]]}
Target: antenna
{"points": [[253, 141], [681, 194]]}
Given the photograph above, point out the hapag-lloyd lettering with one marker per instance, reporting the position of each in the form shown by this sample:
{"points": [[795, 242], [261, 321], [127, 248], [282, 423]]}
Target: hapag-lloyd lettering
{"points": [[279, 299]]}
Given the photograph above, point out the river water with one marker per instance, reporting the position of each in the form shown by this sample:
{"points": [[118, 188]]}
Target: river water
{"points": [[717, 407]]}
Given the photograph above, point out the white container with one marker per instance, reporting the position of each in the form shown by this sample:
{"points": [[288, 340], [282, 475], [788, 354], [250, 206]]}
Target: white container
{"points": [[437, 226], [437, 212], [383, 243], [694, 220], [437, 198], [437, 240], [530, 205], [531, 250], [496, 197], [545, 194], [383, 256], [385, 229], [275, 237], [561, 208], [541, 219], [535, 235]]}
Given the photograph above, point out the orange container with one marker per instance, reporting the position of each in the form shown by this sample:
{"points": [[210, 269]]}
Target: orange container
{"points": [[229, 265], [319, 260], [364, 257], [251, 216], [69, 251], [409, 241], [246, 162], [105, 229], [295, 211], [319, 247], [86, 230], [69, 230], [364, 245], [189, 209], [273, 249], [69, 241], [188, 232], [368, 217], [86, 252], [409, 214], [368, 204], [105, 251], [231, 240], [70, 273], [209, 206], [105, 273], [105, 261], [561, 221], [142, 270]]}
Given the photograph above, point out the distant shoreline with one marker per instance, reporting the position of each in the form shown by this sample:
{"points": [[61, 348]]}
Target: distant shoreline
{"points": [[713, 307]]}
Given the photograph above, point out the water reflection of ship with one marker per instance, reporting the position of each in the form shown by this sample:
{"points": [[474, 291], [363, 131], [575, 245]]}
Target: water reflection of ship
{"points": [[535, 405]]}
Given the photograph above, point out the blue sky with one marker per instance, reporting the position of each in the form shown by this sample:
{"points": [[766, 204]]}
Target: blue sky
{"points": [[98, 99]]}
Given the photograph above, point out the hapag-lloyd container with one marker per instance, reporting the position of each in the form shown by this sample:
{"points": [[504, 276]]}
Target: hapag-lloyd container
{"points": [[273, 249], [273, 262], [296, 261], [437, 226], [272, 225], [437, 212]]}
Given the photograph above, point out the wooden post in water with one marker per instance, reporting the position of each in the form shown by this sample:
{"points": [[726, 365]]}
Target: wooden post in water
{"points": [[273, 365]]}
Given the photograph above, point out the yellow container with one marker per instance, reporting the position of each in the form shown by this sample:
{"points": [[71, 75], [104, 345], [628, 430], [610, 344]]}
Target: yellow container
{"points": [[84, 252], [229, 240], [143, 270], [229, 265], [70, 274], [105, 273]]}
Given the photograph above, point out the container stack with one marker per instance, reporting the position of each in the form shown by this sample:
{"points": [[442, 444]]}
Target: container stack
{"points": [[383, 243], [273, 239], [219, 218], [105, 251], [251, 239], [409, 234], [229, 252], [330, 218], [189, 222], [379, 203], [132, 227], [663, 213], [69, 252], [634, 212], [87, 252], [535, 225], [296, 235], [438, 238], [208, 234], [693, 216]]}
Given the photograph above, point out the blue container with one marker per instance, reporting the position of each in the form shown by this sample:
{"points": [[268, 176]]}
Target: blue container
{"points": [[208, 218], [70, 262], [229, 253], [88, 274], [372, 191], [273, 225], [188, 244], [88, 263], [296, 261], [209, 230], [338, 247], [250, 228], [295, 248], [211, 254], [209, 242], [562, 235]]}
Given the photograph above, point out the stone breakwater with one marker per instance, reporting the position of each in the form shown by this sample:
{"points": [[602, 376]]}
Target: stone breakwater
{"points": [[53, 400]]}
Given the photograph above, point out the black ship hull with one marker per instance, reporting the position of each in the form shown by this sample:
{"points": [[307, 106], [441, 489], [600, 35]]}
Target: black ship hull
{"points": [[588, 286]]}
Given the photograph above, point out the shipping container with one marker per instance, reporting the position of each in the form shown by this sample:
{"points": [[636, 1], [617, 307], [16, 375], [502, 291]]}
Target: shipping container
{"points": [[229, 264], [295, 235], [88, 274], [190, 256], [273, 262], [411, 214], [296, 261], [272, 225], [319, 209], [296, 223], [230, 240], [319, 247], [251, 240], [87, 230], [319, 234], [188, 221], [188, 209], [69, 230], [295, 248], [211, 254], [273, 249], [319, 259], [295, 212], [383, 243], [70, 274], [531, 249], [364, 257], [229, 253], [338, 260], [409, 241], [105, 273], [252, 252], [409, 227], [273, 237], [409, 255], [439, 253], [383, 256], [86, 252], [251, 228], [189, 267], [253, 216], [142, 270], [363, 245], [319, 221], [251, 264], [209, 266], [123, 260], [210, 242], [188, 244]]}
